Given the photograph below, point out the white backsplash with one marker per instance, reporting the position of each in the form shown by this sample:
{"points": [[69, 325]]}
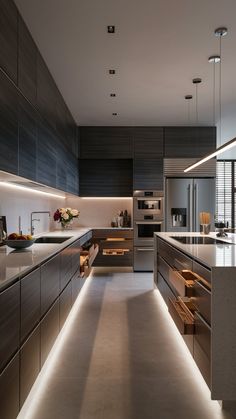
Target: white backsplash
{"points": [[93, 212]]}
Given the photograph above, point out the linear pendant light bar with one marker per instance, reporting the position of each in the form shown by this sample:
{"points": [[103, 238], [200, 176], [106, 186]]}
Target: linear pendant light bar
{"points": [[227, 146]]}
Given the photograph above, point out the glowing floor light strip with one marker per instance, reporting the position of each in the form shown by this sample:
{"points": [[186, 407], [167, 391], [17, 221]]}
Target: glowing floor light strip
{"points": [[25, 189], [32, 403]]}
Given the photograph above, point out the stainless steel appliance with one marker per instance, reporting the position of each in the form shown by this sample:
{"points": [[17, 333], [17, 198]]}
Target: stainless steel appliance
{"points": [[148, 219], [185, 199], [148, 205]]}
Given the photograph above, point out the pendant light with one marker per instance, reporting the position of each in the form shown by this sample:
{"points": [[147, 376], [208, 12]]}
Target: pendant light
{"points": [[219, 32], [188, 99], [196, 81]]}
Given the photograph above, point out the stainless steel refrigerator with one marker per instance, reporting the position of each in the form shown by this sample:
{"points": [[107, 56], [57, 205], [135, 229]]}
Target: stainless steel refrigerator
{"points": [[185, 199]]}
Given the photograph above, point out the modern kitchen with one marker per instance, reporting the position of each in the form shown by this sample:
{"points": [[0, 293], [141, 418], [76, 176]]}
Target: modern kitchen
{"points": [[117, 209]]}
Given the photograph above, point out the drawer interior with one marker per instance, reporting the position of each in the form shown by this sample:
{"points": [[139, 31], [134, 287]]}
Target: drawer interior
{"points": [[181, 310]]}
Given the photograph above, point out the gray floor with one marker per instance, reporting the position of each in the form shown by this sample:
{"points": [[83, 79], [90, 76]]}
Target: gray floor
{"points": [[120, 357]]}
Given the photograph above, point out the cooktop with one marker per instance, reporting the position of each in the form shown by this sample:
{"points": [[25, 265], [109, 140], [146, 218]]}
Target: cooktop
{"points": [[198, 240]]}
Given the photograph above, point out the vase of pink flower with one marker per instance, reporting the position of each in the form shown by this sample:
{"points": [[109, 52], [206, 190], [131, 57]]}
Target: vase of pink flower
{"points": [[65, 216]]}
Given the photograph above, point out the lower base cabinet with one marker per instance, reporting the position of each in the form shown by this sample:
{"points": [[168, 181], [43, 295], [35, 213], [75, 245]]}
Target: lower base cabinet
{"points": [[9, 390], [29, 364], [65, 301], [76, 284], [49, 331]]}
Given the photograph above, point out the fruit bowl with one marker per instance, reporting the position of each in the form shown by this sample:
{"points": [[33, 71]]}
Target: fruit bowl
{"points": [[19, 244]]}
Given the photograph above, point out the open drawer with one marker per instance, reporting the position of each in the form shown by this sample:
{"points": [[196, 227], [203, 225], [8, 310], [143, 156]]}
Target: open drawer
{"points": [[87, 258], [181, 312], [115, 252], [183, 281]]}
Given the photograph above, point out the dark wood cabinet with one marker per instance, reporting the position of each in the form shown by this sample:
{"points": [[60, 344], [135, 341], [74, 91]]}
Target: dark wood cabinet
{"points": [[106, 143], [27, 63], [30, 302], [9, 323], [72, 174], [76, 284], [8, 38], [49, 330], [8, 126], [148, 173], [66, 267], [9, 390], [50, 283], [189, 141], [115, 252], [65, 301], [46, 156], [27, 139], [106, 177], [29, 363], [148, 142]]}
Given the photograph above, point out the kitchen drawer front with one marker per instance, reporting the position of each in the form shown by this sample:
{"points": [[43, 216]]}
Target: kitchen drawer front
{"points": [[9, 390], [176, 281], [202, 300], [65, 300], [176, 259], [103, 233], [143, 259], [76, 285], [75, 254], [30, 302], [66, 267], [85, 238], [116, 244], [202, 347], [164, 288], [202, 271], [50, 283], [184, 323], [49, 329], [114, 260]]}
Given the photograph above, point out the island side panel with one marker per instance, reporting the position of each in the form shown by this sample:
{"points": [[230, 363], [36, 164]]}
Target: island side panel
{"points": [[223, 333]]}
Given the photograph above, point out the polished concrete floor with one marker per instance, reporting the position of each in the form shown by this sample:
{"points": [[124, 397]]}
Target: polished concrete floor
{"points": [[120, 357]]}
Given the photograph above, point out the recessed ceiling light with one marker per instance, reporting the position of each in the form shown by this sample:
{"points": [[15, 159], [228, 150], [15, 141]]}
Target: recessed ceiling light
{"points": [[112, 94], [110, 29], [112, 71], [188, 97], [214, 59], [197, 80], [114, 113]]}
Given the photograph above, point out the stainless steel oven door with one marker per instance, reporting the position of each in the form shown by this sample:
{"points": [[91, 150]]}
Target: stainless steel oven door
{"points": [[148, 208], [144, 230]]}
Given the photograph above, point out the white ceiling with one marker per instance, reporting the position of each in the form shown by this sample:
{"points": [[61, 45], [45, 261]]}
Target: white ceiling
{"points": [[158, 47]]}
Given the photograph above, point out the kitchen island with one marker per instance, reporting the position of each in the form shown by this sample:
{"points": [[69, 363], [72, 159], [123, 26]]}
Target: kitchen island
{"points": [[198, 283]]}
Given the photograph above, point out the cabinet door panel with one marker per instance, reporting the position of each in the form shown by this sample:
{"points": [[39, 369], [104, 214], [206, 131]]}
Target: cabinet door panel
{"points": [[66, 267], [50, 278], [61, 178], [148, 174], [27, 140], [8, 126], [189, 141], [8, 38], [27, 63], [49, 331], [65, 303], [46, 92], [29, 364], [72, 174], [148, 142], [30, 302], [46, 156], [9, 323], [106, 142], [106, 177], [9, 390]]}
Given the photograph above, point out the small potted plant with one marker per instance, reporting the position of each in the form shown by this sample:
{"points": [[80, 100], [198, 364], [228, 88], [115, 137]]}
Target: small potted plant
{"points": [[65, 216]]}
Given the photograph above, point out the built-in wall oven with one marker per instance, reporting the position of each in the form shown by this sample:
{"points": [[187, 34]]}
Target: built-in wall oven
{"points": [[148, 219]]}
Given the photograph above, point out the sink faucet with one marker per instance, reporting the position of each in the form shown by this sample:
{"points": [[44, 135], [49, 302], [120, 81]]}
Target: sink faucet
{"points": [[32, 228]]}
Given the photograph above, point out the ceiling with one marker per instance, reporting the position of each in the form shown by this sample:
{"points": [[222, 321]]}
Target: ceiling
{"points": [[158, 47]]}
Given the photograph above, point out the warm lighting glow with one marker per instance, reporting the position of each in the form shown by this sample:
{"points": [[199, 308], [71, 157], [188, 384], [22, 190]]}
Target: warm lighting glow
{"points": [[33, 401], [222, 149], [105, 197], [25, 189]]}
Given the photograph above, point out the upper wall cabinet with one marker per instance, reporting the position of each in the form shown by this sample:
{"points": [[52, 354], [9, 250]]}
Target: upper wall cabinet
{"points": [[148, 142], [8, 126], [106, 143], [27, 63], [46, 156], [189, 141], [46, 92], [148, 173], [8, 38]]}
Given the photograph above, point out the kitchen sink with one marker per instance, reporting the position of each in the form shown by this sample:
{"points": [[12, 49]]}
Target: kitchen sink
{"points": [[46, 239]]}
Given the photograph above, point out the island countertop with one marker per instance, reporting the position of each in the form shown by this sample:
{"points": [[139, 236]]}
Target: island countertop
{"points": [[212, 255]]}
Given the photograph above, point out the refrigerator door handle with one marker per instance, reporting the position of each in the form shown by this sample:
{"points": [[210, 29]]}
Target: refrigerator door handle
{"points": [[195, 197], [190, 208]]}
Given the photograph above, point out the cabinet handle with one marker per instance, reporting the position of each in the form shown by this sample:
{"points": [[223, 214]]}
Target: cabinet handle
{"points": [[145, 249], [197, 314]]}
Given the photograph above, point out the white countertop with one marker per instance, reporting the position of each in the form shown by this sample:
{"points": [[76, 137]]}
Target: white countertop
{"points": [[211, 255]]}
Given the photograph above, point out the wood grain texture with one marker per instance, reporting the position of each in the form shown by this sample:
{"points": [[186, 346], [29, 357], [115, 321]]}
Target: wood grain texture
{"points": [[50, 283], [46, 156], [27, 63], [189, 141], [9, 390], [49, 330], [8, 38], [65, 302], [30, 302], [148, 173], [106, 177], [9, 323], [106, 142], [8, 126], [148, 142]]}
